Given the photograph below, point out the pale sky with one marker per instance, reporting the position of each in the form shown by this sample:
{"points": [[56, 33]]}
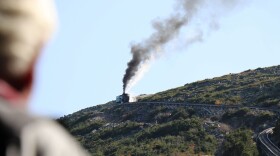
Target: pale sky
{"points": [[85, 62]]}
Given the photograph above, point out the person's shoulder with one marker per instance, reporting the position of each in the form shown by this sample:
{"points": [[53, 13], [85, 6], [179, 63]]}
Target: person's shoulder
{"points": [[38, 134], [51, 137]]}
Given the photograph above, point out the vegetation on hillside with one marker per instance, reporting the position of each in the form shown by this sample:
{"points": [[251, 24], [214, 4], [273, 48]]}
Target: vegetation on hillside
{"points": [[253, 87], [240, 143], [175, 137], [154, 130], [244, 117]]}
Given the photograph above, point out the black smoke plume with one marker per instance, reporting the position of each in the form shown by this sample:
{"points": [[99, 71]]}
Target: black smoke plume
{"points": [[165, 31]]}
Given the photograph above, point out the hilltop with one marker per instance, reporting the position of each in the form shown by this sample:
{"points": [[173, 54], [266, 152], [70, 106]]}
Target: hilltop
{"points": [[151, 129]]}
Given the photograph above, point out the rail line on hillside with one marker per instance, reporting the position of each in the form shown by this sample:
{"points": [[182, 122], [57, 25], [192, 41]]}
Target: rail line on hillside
{"points": [[267, 146], [221, 106]]}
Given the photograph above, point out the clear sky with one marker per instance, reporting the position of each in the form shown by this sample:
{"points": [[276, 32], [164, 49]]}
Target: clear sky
{"points": [[85, 62]]}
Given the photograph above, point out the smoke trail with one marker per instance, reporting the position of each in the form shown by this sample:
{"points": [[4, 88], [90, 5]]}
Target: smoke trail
{"points": [[168, 29], [142, 69]]}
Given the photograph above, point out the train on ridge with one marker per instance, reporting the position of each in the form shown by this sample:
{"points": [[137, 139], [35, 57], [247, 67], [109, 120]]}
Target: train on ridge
{"points": [[124, 98]]}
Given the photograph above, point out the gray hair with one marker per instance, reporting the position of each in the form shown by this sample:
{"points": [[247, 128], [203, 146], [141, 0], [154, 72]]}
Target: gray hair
{"points": [[25, 25]]}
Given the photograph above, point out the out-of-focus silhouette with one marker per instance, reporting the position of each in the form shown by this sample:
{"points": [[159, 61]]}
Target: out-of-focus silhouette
{"points": [[25, 26]]}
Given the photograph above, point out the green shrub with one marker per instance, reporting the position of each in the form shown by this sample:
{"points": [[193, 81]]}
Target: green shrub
{"points": [[240, 143]]}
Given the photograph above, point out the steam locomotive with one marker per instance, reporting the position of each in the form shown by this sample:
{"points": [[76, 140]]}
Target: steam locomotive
{"points": [[124, 98]]}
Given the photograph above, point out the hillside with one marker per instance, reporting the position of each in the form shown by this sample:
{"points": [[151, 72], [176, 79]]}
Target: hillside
{"points": [[252, 87], [151, 129]]}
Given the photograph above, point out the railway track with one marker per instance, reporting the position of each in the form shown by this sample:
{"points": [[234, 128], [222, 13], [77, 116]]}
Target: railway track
{"points": [[268, 147], [222, 106]]}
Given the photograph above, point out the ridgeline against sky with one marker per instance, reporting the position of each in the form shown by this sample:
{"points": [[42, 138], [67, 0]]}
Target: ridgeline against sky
{"points": [[168, 29]]}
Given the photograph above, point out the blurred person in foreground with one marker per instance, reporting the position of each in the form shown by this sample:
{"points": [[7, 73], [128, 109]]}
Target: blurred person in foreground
{"points": [[25, 26]]}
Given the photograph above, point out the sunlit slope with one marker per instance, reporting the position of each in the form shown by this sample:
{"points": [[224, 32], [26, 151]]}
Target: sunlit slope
{"points": [[252, 87]]}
